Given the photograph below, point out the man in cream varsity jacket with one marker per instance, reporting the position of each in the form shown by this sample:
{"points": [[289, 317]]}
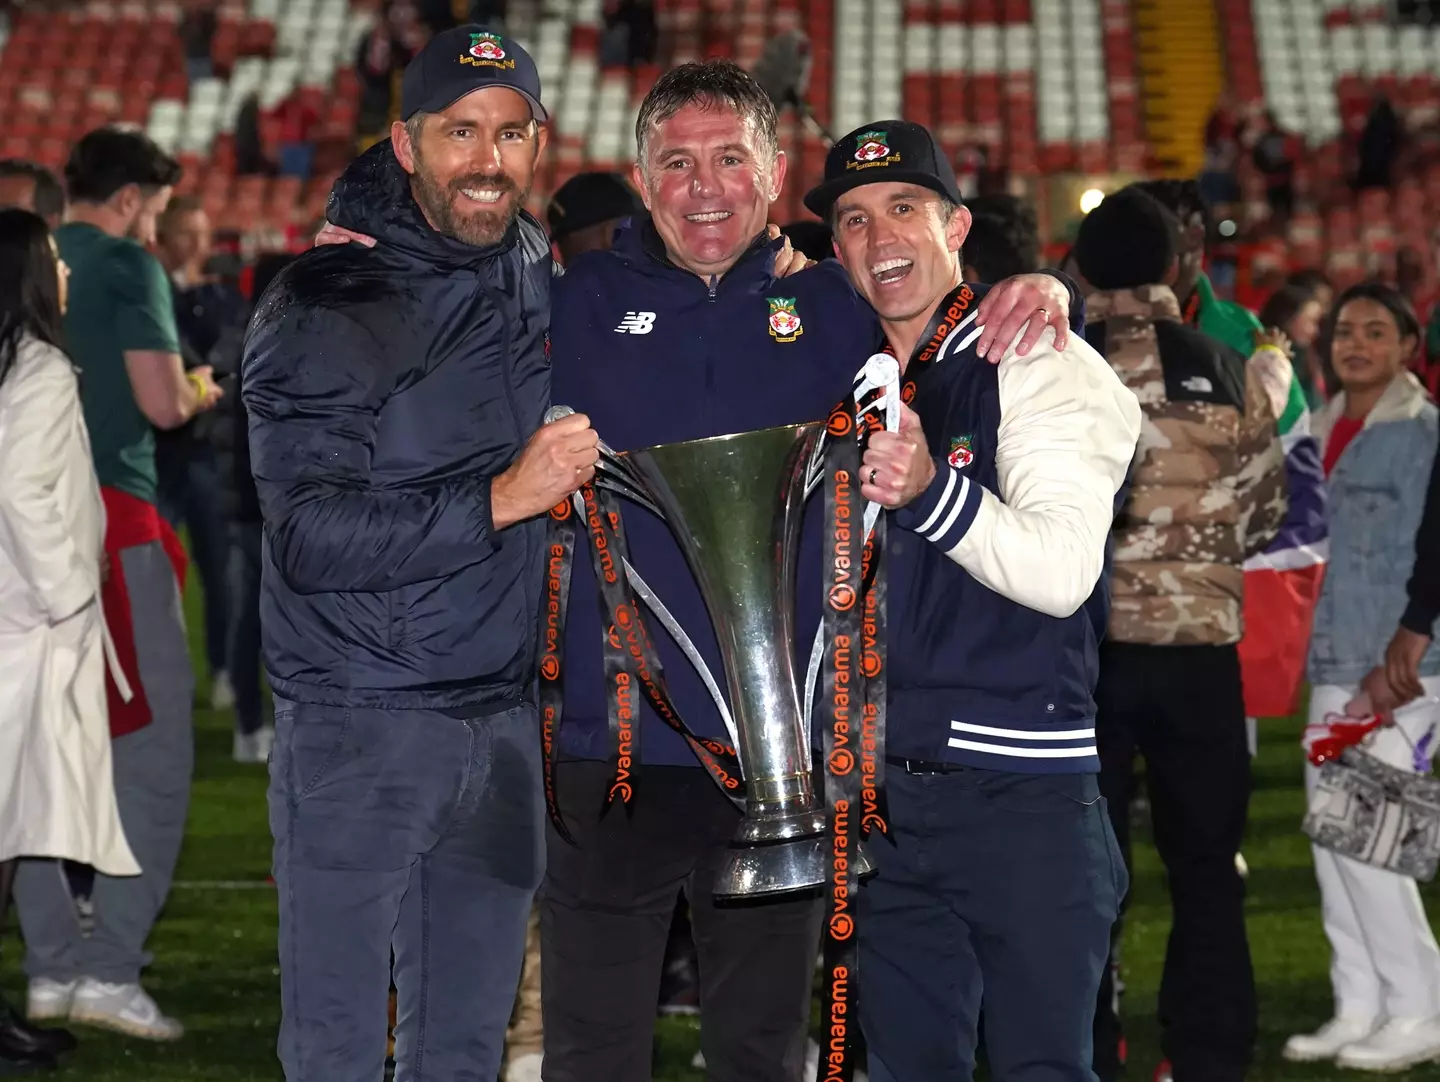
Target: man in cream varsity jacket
{"points": [[999, 878]]}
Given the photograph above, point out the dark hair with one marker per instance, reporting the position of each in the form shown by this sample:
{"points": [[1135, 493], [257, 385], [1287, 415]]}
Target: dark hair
{"points": [[1181, 198], [1129, 240], [1389, 298], [709, 83], [108, 159], [49, 196], [999, 248], [1312, 279], [1285, 304], [1006, 207], [29, 285]]}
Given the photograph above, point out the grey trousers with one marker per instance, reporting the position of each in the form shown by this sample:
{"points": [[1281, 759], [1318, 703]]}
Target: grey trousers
{"points": [[152, 768], [410, 832]]}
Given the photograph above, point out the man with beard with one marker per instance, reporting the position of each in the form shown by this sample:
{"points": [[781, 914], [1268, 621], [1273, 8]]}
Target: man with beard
{"points": [[120, 331], [396, 399], [999, 877]]}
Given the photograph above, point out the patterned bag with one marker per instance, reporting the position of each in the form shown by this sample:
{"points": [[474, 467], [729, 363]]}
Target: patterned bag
{"points": [[1382, 815]]}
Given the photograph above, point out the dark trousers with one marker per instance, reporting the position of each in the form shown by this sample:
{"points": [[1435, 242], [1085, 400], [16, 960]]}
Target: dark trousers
{"points": [[190, 497], [999, 890], [244, 664], [605, 916], [409, 831], [1181, 708]]}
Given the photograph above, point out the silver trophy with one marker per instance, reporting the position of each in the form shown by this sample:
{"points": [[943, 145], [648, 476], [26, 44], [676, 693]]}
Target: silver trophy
{"points": [[734, 504]]}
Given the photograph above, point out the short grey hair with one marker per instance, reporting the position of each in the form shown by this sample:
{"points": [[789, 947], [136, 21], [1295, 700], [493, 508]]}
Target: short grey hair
{"points": [[708, 83]]}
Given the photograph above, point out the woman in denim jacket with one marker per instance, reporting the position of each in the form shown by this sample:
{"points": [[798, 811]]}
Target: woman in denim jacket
{"points": [[1378, 438]]}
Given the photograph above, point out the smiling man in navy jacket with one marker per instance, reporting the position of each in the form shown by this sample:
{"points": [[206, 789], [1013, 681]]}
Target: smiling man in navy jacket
{"points": [[679, 332], [1000, 878]]}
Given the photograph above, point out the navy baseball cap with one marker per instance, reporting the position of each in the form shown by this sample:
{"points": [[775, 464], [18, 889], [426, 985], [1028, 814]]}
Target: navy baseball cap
{"points": [[894, 151], [467, 58]]}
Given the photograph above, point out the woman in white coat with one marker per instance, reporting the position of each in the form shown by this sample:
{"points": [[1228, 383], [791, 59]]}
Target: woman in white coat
{"points": [[57, 796]]}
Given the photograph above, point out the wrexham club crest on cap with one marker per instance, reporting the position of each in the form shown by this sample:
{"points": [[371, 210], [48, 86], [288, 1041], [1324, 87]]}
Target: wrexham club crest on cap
{"points": [[960, 453], [487, 50], [872, 149], [784, 320], [870, 146]]}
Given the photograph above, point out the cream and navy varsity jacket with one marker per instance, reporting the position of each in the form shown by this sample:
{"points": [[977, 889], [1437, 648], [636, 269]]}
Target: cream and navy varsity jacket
{"points": [[999, 590]]}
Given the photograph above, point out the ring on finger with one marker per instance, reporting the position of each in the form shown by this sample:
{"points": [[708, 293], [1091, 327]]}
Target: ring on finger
{"points": [[873, 471]]}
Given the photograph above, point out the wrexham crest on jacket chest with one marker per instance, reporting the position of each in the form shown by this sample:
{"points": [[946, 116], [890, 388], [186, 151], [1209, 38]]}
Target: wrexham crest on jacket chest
{"points": [[784, 320], [961, 453]]}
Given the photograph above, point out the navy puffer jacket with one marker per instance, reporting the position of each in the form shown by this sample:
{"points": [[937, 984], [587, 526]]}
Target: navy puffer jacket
{"points": [[385, 388]]}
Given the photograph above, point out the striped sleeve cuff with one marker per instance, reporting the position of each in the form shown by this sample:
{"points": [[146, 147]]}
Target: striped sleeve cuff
{"points": [[943, 513]]}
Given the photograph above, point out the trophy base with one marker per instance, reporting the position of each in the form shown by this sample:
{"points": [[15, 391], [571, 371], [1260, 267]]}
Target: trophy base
{"points": [[755, 871]]}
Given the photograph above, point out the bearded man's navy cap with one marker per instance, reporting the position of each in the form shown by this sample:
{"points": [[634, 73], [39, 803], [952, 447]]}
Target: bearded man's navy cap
{"points": [[464, 59], [894, 151]]}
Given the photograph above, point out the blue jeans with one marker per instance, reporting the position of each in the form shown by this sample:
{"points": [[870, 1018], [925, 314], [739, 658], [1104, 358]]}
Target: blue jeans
{"points": [[998, 888], [244, 664], [412, 832], [191, 498]]}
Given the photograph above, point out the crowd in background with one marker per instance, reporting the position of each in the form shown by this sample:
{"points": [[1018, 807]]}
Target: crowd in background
{"points": [[120, 341]]}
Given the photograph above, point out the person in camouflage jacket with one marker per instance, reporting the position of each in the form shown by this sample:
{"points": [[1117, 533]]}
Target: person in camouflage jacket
{"points": [[1208, 485], [1207, 490]]}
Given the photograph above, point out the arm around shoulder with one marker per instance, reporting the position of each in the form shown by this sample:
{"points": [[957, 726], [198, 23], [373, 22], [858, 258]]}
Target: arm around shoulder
{"points": [[1067, 435]]}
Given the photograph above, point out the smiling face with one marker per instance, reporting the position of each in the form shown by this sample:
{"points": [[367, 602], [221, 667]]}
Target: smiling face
{"points": [[900, 244], [472, 164], [708, 181], [1367, 348]]}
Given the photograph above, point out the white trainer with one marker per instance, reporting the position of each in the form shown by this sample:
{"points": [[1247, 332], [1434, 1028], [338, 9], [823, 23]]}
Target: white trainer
{"points": [[124, 1008], [524, 1068], [222, 692], [1327, 1041], [254, 747], [49, 1001], [1398, 1044]]}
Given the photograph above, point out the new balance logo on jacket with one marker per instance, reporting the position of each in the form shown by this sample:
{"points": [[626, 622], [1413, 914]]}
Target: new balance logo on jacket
{"points": [[636, 323]]}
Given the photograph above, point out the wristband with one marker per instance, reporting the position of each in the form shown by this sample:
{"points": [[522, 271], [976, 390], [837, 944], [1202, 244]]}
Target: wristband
{"points": [[1274, 348], [202, 391]]}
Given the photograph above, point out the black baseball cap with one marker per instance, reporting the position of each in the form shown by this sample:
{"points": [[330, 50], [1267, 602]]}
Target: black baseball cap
{"points": [[893, 151], [588, 199], [466, 58]]}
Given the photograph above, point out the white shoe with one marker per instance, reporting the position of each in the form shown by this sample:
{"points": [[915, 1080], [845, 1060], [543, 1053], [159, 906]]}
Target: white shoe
{"points": [[1398, 1044], [1242, 868], [222, 692], [49, 1001], [124, 1008], [524, 1068], [1327, 1041], [254, 747]]}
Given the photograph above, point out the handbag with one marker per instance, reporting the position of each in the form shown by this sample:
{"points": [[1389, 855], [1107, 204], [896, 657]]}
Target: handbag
{"points": [[1378, 814]]}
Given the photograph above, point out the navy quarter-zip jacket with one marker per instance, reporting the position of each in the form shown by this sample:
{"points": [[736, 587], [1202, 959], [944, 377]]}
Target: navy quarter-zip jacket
{"points": [[655, 354]]}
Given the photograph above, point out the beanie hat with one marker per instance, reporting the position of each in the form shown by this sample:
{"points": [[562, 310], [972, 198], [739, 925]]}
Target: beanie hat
{"points": [[1129, 240]]}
